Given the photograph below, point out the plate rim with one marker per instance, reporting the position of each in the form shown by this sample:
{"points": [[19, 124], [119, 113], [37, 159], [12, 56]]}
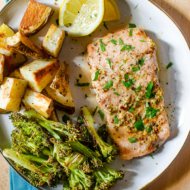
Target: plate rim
{"points": [[188, 44]]}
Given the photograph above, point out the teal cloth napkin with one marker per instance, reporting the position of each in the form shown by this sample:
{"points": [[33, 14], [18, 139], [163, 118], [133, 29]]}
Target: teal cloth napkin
{"points": [[17, 182]]}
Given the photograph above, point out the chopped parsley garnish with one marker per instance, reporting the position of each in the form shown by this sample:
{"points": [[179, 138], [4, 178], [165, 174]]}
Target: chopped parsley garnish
{"points": [[116, 94], [129, 83], [149, 92], [137, 103], [82, 53], [142, 40], [147, 104], [98, 49], [65, 118], [151, 156], [124, 61], [131, 25], [160, 97], [80, 120], [136, 6], [113, 89], [116, 120], [102, 45], [105, 25], [157, 147], [90, 16], [132, 140], [150, 86], [134, 69], [120, 42], [95, 110], [109, 62], [138, 88], [80, 76], [86, 96], [113, 41], [141, 62], [82, 84], [156, 101], [108, 85], [101, 114], [131, 109], [57, 22], [148, 129], [127, 47], [169, 65], [151, 112], [131, 32], [121, 66], [139, 125], [96, 75], [95, 15], [126, 76]]}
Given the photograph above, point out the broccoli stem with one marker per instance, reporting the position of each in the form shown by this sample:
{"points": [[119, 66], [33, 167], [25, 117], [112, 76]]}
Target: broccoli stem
{"points": [[52, 126], [19, 159], [108, 151]]}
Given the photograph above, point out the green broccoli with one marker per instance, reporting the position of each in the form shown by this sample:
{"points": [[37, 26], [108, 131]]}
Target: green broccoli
{"points": [[39, 170], [108, 151], [105, 178]]}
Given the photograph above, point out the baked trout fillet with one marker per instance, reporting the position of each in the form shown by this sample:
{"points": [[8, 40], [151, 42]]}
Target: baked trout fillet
{"points": [[123, 68]]}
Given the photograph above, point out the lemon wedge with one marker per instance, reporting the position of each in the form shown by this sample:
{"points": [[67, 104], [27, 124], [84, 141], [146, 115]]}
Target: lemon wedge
{"points": [[81, 17], [111, 11]]}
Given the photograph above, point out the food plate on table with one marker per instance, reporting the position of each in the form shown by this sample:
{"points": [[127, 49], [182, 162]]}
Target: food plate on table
{"points": [[171, 46]]}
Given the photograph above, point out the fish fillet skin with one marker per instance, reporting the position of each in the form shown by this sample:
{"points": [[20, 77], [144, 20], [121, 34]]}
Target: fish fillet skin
{"points": [[134, 64]]}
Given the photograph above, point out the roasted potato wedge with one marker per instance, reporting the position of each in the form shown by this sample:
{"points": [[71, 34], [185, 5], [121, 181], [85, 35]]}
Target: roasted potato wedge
{"points": [[14, 60], [11, 93], [19, 42], [38, 102], [35, 17], [40, 73], [53, 116], [64, 103], [16, 74], [5, 32], [2, 62], [61, 81], [53, 41], [3, 111]]}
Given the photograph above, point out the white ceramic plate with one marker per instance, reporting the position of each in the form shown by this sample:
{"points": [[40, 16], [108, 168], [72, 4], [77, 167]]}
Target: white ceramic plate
{"points": [[171, 46]]}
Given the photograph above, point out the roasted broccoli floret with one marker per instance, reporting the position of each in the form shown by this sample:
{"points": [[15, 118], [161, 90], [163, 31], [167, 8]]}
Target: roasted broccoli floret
{"points": [[39, 170], [28, 134], [69, 130], [76, 145], [105, 178], [103, 132], [28, 144], [108, 151]]}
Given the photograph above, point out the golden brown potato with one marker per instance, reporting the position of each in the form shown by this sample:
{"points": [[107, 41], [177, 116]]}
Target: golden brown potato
{"points": [[2, 61], [53, 116], [16, 74], [35, 17], [11, 92], [40, 73], [64, 103], [53, 41], [19, 42], [14, 60], [3, 111], [38, 102], [61, 81], [5, 32]]}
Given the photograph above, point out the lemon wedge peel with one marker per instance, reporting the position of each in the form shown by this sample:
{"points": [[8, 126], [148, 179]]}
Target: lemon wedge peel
{"points": [[111, 11], [83, 21]]}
